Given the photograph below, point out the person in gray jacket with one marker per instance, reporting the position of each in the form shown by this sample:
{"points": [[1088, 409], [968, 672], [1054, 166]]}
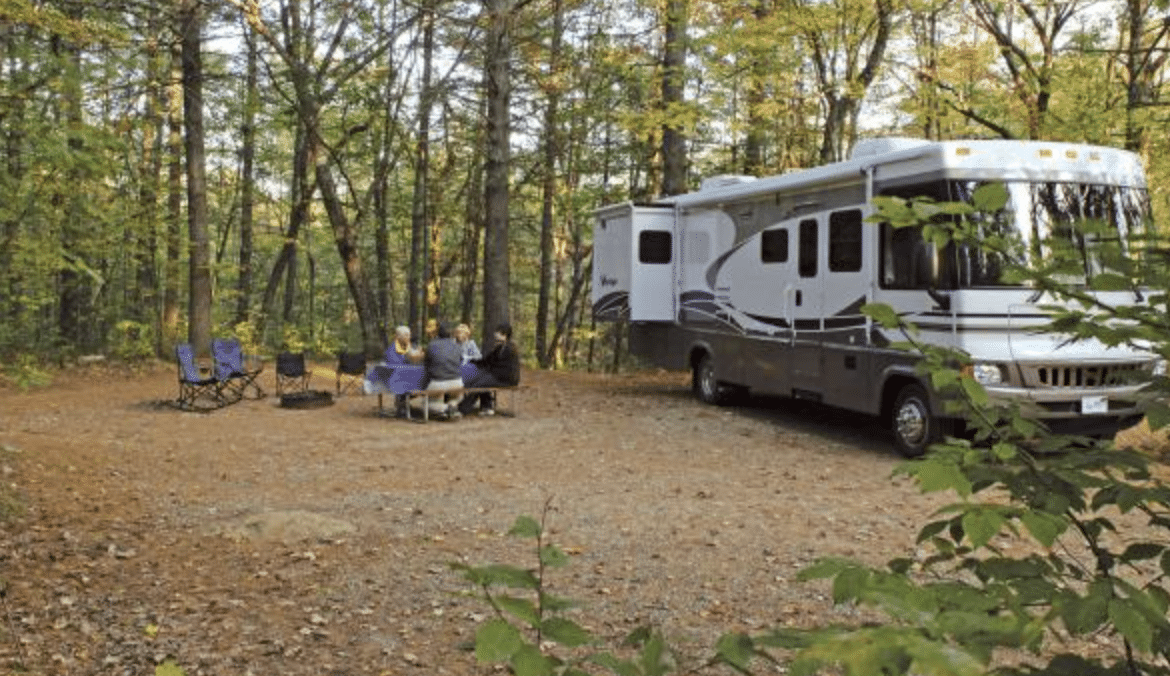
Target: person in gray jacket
{"points": [[441, 372]]}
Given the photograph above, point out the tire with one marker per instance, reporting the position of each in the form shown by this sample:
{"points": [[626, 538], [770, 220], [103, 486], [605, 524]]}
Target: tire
{"points": [[705, 385], [914, 425]]}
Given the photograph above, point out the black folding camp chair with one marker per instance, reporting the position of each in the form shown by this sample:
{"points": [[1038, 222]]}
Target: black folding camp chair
{"points": [[291, 374], [230, 368], [199, 391], [351, 371]]}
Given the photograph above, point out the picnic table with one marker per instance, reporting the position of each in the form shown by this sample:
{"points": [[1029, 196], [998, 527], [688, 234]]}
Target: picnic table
{"points": [[403, 379], [406, 380]]}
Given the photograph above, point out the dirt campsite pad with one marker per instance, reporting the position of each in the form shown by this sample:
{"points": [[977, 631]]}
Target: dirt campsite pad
{"points": [[262, 540]]}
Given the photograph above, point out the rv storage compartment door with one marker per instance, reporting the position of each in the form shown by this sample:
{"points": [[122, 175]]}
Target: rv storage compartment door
{"points": [[648, 234]]}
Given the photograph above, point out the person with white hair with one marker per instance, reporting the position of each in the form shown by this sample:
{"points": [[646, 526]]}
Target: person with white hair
{"points": [[402, 351]]}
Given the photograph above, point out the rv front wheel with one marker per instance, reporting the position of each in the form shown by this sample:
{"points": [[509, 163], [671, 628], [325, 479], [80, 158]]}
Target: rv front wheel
{"points": [[915, 427], [706, 386]]}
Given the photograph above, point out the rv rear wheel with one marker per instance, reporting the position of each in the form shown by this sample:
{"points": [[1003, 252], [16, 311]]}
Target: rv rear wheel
{"points": [[915, 427], [704, 383]]}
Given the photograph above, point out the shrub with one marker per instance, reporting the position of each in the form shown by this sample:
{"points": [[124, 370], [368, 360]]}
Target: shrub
{"points": [[529, 630], [131, 341]]}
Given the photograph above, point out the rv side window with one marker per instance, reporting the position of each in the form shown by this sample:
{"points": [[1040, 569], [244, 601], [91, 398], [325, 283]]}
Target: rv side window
{"points": [[654, 247], [808, 248], [774, 246], [845, 241]]}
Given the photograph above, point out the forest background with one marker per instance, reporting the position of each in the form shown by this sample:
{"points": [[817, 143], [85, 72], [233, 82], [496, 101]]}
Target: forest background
{"points": [[307, 174]]}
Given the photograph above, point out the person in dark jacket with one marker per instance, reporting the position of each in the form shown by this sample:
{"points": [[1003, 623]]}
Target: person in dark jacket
{"points": [[500, 367], [441, 371]]}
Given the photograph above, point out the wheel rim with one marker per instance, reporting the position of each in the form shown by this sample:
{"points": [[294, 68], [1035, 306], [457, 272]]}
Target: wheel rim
{"points": [[911, 422], [707, 379]]}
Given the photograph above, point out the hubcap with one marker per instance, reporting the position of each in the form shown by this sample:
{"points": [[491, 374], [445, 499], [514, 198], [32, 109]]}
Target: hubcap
{"points": [[911, 422], [707, 380]]}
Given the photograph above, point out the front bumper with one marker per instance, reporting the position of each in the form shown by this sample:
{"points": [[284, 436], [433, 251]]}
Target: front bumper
{"points": [[1078, 410]]}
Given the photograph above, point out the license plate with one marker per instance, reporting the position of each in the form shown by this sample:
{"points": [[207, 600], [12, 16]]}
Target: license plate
{"points": [[1094, 404]]}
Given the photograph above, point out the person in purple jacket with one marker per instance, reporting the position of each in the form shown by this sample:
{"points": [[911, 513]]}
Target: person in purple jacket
{"points": [[402, 351]]}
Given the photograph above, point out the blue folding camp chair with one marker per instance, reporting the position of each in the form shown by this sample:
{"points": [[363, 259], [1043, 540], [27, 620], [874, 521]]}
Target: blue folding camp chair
{"points": [[198, 392], [230, 368]]}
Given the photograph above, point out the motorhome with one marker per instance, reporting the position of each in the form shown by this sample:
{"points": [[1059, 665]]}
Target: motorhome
{"points": [[758, 283]]}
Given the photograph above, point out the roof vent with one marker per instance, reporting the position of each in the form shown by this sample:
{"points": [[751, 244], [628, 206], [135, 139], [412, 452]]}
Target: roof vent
{"points": [[870, 147], [724, 180]]}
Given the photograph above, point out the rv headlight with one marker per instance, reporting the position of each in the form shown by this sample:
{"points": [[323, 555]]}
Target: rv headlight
{"points": [[1159, 367], [985, 374]]}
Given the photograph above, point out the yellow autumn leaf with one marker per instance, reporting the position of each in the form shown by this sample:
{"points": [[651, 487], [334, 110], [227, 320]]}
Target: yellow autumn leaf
{"points": [[169, 668]]}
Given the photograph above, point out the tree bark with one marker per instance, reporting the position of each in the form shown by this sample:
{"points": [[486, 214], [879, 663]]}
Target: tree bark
{"points": [[757, 121], [247, 177], [549, 186], [496, 264], [421, 270], [674, 150], [73, 307], [199, 243], [345, 236], [174, 219], [301, 192], [144, 299]]}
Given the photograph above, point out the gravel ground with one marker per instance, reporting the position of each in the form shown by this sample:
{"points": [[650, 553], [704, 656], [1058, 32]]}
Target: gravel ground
{"points": [[261, 540]]}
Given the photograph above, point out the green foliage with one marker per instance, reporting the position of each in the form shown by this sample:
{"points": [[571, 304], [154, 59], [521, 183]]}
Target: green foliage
{"points": [[26, 373], [1088, 525], [527, 619], [131, 341], [248, 336]]}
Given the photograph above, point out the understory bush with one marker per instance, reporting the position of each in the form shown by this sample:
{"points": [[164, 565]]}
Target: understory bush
{"points": [[26, 372], [132, 341]]}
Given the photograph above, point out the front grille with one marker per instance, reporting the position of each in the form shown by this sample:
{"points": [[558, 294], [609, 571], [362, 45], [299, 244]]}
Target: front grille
{"points": [[1101, 375]]}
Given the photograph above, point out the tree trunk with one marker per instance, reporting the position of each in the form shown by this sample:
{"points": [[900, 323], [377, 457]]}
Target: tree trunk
{"points": [[674, 149], [172, 271], [144, 298], [758, 121], [474, 226], [345, 235], [247, 177], [549, 187], [1145, 58], [301, 193], [74, 286], [420, 268], [496, 264], [199, 243]]}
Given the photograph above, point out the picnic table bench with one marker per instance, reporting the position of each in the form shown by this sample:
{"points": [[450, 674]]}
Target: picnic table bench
{"points": [[426, 395], [405, 380]]}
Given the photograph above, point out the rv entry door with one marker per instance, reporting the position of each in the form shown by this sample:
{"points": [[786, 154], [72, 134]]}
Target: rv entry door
{"points": [[805, 300], [652, 292]]}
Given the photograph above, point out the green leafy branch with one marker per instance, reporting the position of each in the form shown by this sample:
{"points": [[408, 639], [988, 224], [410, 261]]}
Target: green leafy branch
{"points": [[529, 631], [1056, 499]]}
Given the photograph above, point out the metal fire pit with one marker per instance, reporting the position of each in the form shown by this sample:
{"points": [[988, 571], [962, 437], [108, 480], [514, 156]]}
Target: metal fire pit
{"points": [[306, 399]]}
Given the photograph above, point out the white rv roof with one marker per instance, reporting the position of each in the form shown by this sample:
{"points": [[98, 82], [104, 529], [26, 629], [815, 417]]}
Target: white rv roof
{"points": [[982, 160]]}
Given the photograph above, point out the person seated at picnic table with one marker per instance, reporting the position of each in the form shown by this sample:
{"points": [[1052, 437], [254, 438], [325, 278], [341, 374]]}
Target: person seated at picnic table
{"points": [[402, 351], [500, 367], [441, 371], [464, 341]]}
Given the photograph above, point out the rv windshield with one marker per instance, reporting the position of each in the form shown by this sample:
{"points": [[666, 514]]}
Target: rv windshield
{"points": [[1039, 217]]}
